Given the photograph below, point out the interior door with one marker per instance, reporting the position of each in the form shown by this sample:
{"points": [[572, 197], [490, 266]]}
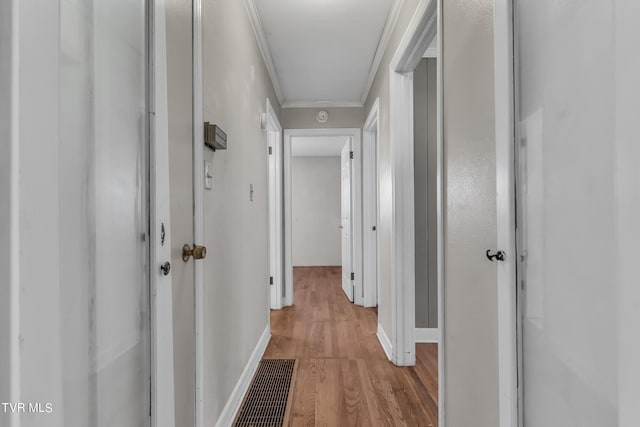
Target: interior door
{"points": [[347, 265], [567, 245], [181, 183], [104, 214]]}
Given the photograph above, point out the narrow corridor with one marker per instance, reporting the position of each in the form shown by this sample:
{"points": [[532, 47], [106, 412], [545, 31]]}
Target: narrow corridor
{"points": [[344, 377]]}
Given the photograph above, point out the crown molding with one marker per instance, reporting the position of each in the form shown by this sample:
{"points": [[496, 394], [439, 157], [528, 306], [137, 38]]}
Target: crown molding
{"points": [[322, 104], [261, 38], [389, 25]]}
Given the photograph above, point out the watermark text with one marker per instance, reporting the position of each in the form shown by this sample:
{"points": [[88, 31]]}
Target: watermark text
{"points": [[27, 407]]}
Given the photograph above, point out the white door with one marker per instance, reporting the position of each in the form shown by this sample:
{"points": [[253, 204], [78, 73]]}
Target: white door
{"points": [[104, 214], [347, 265], [275, 299], [571, 320]]}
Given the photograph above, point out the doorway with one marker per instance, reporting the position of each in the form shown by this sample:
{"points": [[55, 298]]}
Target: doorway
{"points": [[399, 340], [341, 244], [271, 124], [371, 206], [425, 109]]}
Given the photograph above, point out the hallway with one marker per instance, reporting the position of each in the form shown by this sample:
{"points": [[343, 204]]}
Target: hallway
{"points": [[344, 377]]}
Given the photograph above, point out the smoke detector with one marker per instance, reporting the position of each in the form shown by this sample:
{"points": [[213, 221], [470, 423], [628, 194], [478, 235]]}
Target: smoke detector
{"points": [[322, 116]]}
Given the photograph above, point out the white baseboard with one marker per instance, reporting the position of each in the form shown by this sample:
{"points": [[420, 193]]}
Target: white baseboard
{"points": [[235, 400], [427, 335], [385, 342]]}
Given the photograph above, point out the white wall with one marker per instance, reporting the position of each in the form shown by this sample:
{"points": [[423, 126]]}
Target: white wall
{"points": [[236, 271], [316, 211]]}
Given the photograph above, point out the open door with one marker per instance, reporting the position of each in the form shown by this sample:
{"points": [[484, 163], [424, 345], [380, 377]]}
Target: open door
{"points": [[347, 264]]}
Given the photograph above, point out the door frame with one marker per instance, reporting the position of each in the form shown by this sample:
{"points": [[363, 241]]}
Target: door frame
{"points": [[370, 185], [356, 197], [505, 101], [272, 126], [198, 206], [161, 295], [420, 32]]}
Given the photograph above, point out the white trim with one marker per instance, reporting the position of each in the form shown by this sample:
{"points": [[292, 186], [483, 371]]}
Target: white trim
{"points": [[370, 243], [427, 335], [505, 211], [322, 104], [198, 207], [420, 32], [287, 300], [274, 181], [389, 25], [432, 52], [263, 44], [162, 381], [235, 400], [385, 342], [356, 192], [440, 216]]}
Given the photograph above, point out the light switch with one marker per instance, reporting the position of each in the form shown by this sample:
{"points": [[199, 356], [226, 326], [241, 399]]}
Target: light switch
{"points": [[208, 175]]}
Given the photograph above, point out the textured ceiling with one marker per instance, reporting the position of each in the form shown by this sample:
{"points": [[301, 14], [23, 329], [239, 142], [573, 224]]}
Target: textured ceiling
{"points": [[323, 49]]}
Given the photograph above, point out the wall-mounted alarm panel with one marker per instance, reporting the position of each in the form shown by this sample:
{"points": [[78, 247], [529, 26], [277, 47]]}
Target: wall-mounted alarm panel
{"points": [[214, 137]]}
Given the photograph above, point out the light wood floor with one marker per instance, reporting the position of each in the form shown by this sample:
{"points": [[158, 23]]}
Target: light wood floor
{"points": [[344, 377]]}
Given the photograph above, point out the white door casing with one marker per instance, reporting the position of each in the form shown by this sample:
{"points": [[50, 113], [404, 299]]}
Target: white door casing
{"points": [[198, 205], [274, 156], [345, 216], [162, 395], [505, 211], [417, 38], [370, 202], [356, 192]]}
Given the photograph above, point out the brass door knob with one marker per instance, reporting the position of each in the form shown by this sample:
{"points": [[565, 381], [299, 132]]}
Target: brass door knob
{"points": [[197, 252]]}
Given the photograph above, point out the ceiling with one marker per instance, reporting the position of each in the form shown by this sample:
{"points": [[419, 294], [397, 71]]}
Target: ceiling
{"points": [[322, 52], [317, 146]]}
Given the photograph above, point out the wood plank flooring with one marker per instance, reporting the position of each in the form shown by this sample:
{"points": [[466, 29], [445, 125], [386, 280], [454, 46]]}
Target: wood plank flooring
{"points": [[344, 377]]}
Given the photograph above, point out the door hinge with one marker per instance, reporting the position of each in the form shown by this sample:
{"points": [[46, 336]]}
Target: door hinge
{"points": [[351, 154], [353, 276], [270, 151], [271, 280]]}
